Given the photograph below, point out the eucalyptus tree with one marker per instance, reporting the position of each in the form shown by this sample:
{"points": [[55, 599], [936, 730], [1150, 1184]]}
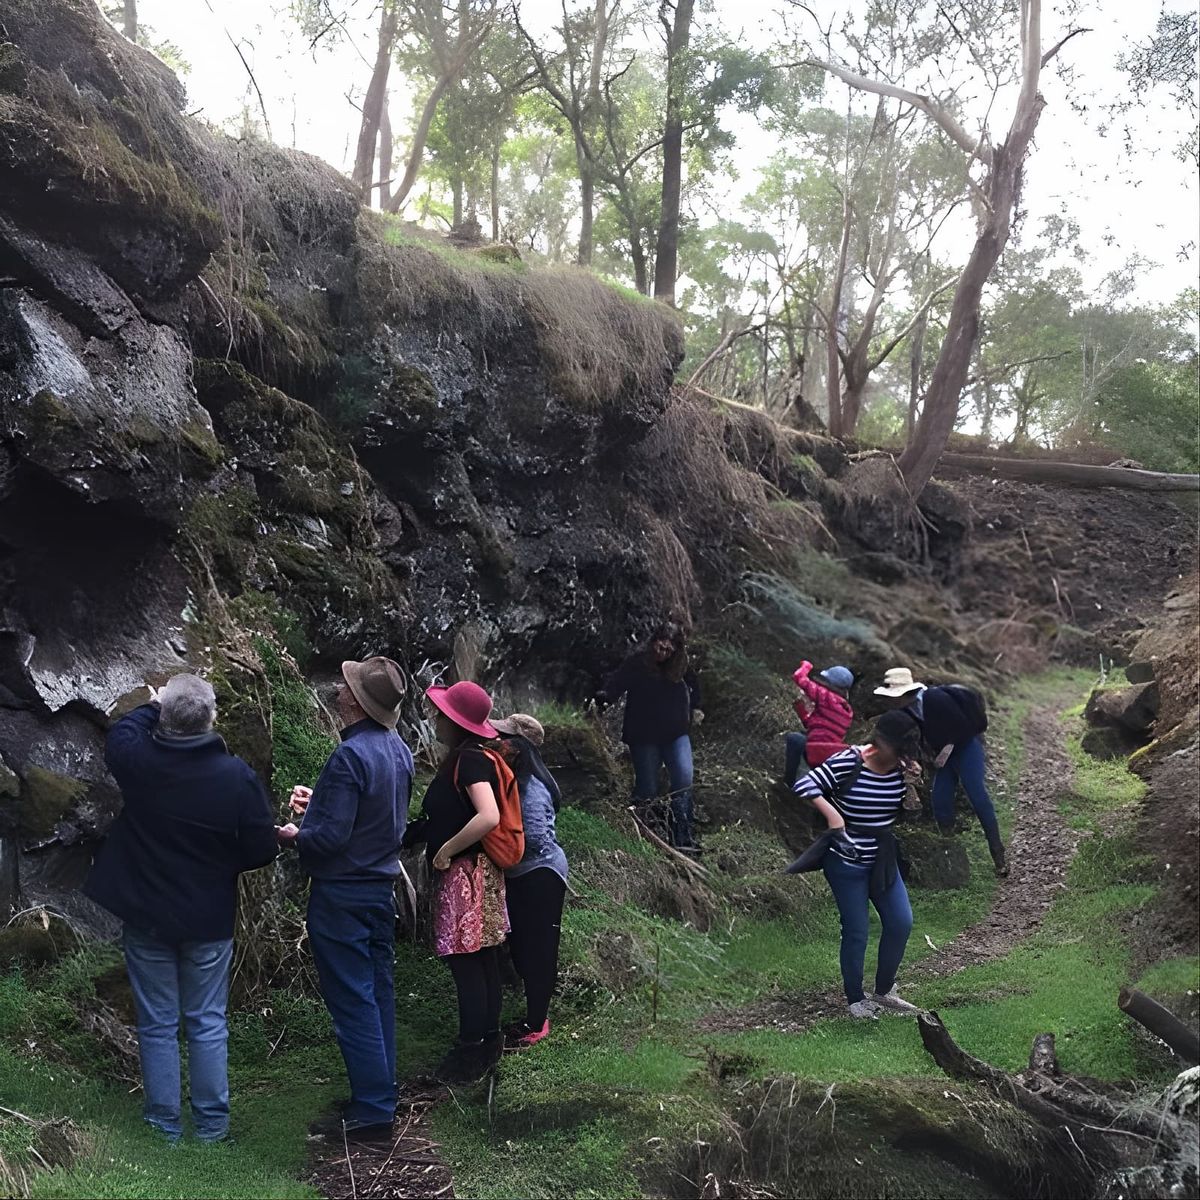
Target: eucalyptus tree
{"points": [[953, 61]]}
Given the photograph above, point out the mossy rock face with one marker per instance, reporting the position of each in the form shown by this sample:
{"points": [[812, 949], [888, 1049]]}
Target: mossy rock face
{"points": [[46, 798], [582, 761], [34, 943], [936, 863]]}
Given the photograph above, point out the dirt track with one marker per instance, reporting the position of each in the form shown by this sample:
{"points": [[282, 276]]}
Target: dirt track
{"points": [[1040, 850]]}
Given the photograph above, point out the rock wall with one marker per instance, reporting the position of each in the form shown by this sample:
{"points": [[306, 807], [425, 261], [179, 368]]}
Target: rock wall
{"points": [[248, 427]]}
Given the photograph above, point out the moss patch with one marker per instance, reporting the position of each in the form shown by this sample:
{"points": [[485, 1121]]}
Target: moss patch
{"points": [[46, 798]]}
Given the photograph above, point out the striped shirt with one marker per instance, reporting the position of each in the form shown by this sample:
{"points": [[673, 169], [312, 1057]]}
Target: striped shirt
{"points": [[873, 801]]}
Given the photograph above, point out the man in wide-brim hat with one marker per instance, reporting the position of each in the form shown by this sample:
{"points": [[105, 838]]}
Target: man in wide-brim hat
{"points": [[349, 844]]}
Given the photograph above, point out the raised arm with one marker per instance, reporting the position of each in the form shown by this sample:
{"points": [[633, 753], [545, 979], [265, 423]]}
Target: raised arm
{"points": [[127, 738]]}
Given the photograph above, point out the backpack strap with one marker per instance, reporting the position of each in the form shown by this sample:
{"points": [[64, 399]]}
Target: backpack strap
{"points": [[843, 785]]}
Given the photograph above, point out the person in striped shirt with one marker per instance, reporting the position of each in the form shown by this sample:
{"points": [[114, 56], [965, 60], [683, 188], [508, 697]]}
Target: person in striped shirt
{"points": [[859, 791]]}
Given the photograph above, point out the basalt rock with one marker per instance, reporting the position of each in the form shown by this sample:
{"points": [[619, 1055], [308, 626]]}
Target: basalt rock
{"points": [[1133, 709]]}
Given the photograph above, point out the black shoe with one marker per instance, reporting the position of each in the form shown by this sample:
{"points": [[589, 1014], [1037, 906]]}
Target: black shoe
{"points": [[1000, 861], [468, 1062], [336, 1127]]}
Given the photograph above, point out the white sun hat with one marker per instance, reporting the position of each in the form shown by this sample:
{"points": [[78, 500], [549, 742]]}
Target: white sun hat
{"points": [[897, 682]]}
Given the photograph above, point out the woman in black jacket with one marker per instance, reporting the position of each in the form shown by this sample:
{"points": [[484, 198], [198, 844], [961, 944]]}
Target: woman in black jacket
{"points": [[953, 720], [662, 699]]}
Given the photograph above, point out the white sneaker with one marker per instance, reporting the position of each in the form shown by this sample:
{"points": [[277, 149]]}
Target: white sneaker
{"points": [[892, 1002], [864, 1010]]}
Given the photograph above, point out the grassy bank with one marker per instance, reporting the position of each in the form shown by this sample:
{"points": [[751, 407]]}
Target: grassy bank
{"points": [[627, 1076]]}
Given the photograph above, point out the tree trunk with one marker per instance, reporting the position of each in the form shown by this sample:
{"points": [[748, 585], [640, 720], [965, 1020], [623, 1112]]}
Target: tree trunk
{"points": [[915, 361], [417, 150], [587, 206], [456, 211], [495, 192], [641, 273], [666, 254], [833, 368], [129, 25], [852, 405], [386, 153], [953, 363], [1038, 470], [373, 103]]}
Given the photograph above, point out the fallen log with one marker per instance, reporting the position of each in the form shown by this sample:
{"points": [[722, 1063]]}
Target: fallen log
{"points": [[1034, 470], [1162, 1023]]}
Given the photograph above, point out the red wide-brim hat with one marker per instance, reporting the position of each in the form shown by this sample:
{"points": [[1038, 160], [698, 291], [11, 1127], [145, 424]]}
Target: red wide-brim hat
{"points": [[466, 704]]}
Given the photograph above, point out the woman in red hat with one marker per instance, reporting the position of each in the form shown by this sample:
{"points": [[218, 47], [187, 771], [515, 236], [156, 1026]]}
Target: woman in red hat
{"points": [[469, 916]]}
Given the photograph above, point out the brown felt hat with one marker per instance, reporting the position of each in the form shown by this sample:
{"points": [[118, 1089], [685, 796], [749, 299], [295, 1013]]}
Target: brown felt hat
{"points": [[378, 686], [522, 725]]}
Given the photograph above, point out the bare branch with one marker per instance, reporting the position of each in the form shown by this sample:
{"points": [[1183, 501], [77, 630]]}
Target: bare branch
{"points": [[1060, 44], [975, 147]]}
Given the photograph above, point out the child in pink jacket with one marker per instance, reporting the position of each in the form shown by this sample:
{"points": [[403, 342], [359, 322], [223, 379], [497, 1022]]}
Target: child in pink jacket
{"points": [[826, 715]]}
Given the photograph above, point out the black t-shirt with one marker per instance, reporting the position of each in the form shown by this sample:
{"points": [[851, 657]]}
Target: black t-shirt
{"points": [[449, 808]]}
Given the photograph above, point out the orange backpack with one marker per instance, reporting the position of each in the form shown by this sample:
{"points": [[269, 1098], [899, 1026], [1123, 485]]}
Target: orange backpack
{"points": [[505, 845]]}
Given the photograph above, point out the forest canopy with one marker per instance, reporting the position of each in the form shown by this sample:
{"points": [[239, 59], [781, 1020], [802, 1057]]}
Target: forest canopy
{"points": [[836, 205]]}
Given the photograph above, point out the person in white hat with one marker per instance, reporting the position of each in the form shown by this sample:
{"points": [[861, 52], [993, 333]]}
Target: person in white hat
{"points": [[952, 720]]}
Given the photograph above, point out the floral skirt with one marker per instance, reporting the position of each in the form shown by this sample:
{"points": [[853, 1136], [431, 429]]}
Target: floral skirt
{"points": [[469, 912]]}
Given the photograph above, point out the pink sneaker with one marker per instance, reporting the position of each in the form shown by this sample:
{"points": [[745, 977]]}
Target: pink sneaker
{"points": [[524, 1037]]}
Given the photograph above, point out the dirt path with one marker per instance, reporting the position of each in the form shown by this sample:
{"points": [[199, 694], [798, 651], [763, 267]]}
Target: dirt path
{"points": [[408, 1165], [1040, 850]]}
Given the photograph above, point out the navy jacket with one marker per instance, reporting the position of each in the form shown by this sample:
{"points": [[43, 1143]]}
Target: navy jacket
{"points": [[355, 820], [658, 710], [195, 817], [949, 715]]}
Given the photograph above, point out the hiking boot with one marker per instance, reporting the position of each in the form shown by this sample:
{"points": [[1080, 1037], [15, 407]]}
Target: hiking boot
{"points": [[521, 1037], [893, 1003], [1000, 861], [467, 1062], [864, 1010]]}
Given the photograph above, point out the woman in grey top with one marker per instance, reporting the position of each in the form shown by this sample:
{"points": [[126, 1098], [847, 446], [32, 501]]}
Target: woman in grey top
{"points": [[537, 885]]}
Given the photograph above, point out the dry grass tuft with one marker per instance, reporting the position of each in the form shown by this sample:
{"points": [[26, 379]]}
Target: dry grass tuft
{"points": [[599, 345], [724, 514]]}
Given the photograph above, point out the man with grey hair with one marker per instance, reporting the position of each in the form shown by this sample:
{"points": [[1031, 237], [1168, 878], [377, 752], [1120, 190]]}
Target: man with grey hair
{"points": [[194, 818]]}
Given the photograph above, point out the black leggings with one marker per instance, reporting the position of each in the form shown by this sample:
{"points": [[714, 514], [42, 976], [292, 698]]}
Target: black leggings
{"points": [[535, 904], [477, 979]]}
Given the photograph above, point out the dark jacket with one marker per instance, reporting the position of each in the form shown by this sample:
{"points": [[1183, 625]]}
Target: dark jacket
{"points": [[355, 820], [949, 715], [658, 710], [195, 817], [889, 861]]}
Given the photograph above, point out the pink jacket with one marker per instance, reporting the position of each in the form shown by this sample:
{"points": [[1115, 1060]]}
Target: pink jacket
{"points": [[829, 721]]}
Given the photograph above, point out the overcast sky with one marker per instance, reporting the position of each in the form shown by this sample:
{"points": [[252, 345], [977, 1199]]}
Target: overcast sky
{"points": [[1146, 203]]}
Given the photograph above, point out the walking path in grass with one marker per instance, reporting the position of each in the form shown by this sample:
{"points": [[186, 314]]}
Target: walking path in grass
{"points": [[408, 1164], [1041, 847]]}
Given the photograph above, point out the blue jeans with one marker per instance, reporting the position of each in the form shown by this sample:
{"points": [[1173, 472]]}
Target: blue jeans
{"points": [[965, 764], [795, 744], [192, 979], [352, 931], [850, 884], [677, 755]]}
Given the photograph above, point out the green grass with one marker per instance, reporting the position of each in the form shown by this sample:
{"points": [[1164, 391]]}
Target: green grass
{"points": [[627, 1076], [274, 1098], [551, 712], [1173, 977]]}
